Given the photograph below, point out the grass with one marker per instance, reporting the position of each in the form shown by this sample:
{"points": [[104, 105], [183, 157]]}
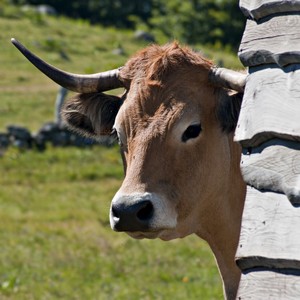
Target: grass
{"points": [[56, 242]]}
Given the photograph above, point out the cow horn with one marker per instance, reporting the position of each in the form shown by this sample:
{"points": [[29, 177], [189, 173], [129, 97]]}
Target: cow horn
{"points": [[228, 79], [98, 82]]}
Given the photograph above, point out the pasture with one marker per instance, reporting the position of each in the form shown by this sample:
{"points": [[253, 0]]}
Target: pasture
{"points": [[55, 237]]}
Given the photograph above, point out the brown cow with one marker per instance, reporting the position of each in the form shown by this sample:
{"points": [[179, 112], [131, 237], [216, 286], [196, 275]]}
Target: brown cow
{"points": [[175, 127]]}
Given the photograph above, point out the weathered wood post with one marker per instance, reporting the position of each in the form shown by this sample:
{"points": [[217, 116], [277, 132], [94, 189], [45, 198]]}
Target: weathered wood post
{"points": [[269, 131]]}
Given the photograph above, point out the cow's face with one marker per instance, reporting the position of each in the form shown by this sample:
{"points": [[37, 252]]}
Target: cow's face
{"points": [[175, 154], [173, 128]]}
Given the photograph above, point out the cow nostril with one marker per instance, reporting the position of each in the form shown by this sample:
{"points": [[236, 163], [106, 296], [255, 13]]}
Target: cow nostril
{"points": [[115, 213], [146, 212]]}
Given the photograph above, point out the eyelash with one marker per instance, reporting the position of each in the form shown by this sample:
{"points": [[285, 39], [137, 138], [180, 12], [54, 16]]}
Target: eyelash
{"points": [[114, 134]]}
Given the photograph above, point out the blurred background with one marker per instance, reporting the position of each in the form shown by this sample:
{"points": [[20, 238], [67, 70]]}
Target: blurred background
{"points": [[212, 22], [56, 187]]}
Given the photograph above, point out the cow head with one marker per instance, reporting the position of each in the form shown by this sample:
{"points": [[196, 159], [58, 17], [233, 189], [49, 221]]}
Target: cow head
{"points": [[175, 126]]}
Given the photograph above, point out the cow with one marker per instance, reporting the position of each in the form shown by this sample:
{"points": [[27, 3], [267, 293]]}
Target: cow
{"points": [[175, 125]]}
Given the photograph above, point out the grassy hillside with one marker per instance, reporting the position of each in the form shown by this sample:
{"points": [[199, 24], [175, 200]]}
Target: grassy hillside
{"points": [[56, 242]]}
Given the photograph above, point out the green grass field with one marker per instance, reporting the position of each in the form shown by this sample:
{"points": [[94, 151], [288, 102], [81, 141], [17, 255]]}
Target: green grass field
{"points": [[55, 238]]}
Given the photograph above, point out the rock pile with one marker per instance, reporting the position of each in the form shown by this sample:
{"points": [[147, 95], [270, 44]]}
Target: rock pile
{"points": [[49, 134]]}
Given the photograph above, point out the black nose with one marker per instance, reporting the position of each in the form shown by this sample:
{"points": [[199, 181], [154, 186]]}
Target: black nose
{"points": [[132, 217]]}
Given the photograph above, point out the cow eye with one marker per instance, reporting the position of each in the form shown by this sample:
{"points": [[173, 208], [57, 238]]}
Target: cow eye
{"points": [[119, 137], [113, 134], [191, 132]]}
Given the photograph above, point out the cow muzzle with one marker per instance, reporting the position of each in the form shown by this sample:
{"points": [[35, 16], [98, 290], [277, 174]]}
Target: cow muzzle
{"points": [[146, 213]]}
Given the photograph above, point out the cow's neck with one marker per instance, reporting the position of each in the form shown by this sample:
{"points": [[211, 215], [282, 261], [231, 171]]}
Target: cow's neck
{"points": [[223, 234]]}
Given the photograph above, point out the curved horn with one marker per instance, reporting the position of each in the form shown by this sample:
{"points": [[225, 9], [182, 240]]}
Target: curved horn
{"points": [[227, 78], [98, 82]]}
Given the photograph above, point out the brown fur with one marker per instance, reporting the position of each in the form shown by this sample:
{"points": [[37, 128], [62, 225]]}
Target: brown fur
{"points": [[156, 62]]}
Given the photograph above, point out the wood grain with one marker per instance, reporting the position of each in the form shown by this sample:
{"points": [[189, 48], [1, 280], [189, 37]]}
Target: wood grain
{"points": [[274, 166], [274, 41], [269, 285], [271, 106], [270, 235], [269, 131], [257, 9]]}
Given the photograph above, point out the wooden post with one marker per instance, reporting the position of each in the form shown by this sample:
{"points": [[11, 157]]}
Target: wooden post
{"points": [[269, 131]]}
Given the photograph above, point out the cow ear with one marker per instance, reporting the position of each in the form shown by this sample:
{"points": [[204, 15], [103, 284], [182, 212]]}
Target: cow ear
{"points": [[91, 114], [228, 110]]}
